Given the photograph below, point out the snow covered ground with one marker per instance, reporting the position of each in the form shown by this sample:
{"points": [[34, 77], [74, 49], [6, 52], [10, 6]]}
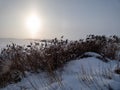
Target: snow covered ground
{"points": [[88, 73]]}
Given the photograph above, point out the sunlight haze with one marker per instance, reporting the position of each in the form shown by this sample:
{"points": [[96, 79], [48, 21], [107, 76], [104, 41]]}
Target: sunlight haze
{"points": [[53, 18]]}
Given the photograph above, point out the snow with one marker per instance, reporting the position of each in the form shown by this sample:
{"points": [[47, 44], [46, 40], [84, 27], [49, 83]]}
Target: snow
{"points": [[83, 74], [92, 54]]}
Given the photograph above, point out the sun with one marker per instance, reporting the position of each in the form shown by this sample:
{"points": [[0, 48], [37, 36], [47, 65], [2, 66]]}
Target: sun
{"points": [[33, 23]]}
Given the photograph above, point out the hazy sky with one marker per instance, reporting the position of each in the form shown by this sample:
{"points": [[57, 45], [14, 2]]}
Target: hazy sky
{"points": [[72, 18]]}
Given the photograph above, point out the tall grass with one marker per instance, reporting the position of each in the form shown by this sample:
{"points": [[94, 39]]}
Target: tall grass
{"points": [[49, 55]]}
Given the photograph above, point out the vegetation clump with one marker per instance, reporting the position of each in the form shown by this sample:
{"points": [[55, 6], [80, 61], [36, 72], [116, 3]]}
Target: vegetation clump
{"points": [[49, 55]]}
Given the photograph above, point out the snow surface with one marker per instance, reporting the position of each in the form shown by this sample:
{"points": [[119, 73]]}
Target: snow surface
{"points": [[92, 54]]}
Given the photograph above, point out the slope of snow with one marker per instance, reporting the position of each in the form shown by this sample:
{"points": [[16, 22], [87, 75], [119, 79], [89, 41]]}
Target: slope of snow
{"points": [[92, 54], [83, 74]]}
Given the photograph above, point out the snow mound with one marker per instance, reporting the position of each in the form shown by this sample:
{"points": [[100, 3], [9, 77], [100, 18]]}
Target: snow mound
{"points": [[93, 54], [96, 55]]}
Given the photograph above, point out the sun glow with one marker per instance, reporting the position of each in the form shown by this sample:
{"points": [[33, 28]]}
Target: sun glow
{"points": [[33, 24]]}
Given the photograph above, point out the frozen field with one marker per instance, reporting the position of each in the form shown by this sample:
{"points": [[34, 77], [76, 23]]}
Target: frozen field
{"points": [[5, 41]]}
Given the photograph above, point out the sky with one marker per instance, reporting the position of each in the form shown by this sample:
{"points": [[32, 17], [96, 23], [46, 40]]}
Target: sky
{"points": [[72, 18]]}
